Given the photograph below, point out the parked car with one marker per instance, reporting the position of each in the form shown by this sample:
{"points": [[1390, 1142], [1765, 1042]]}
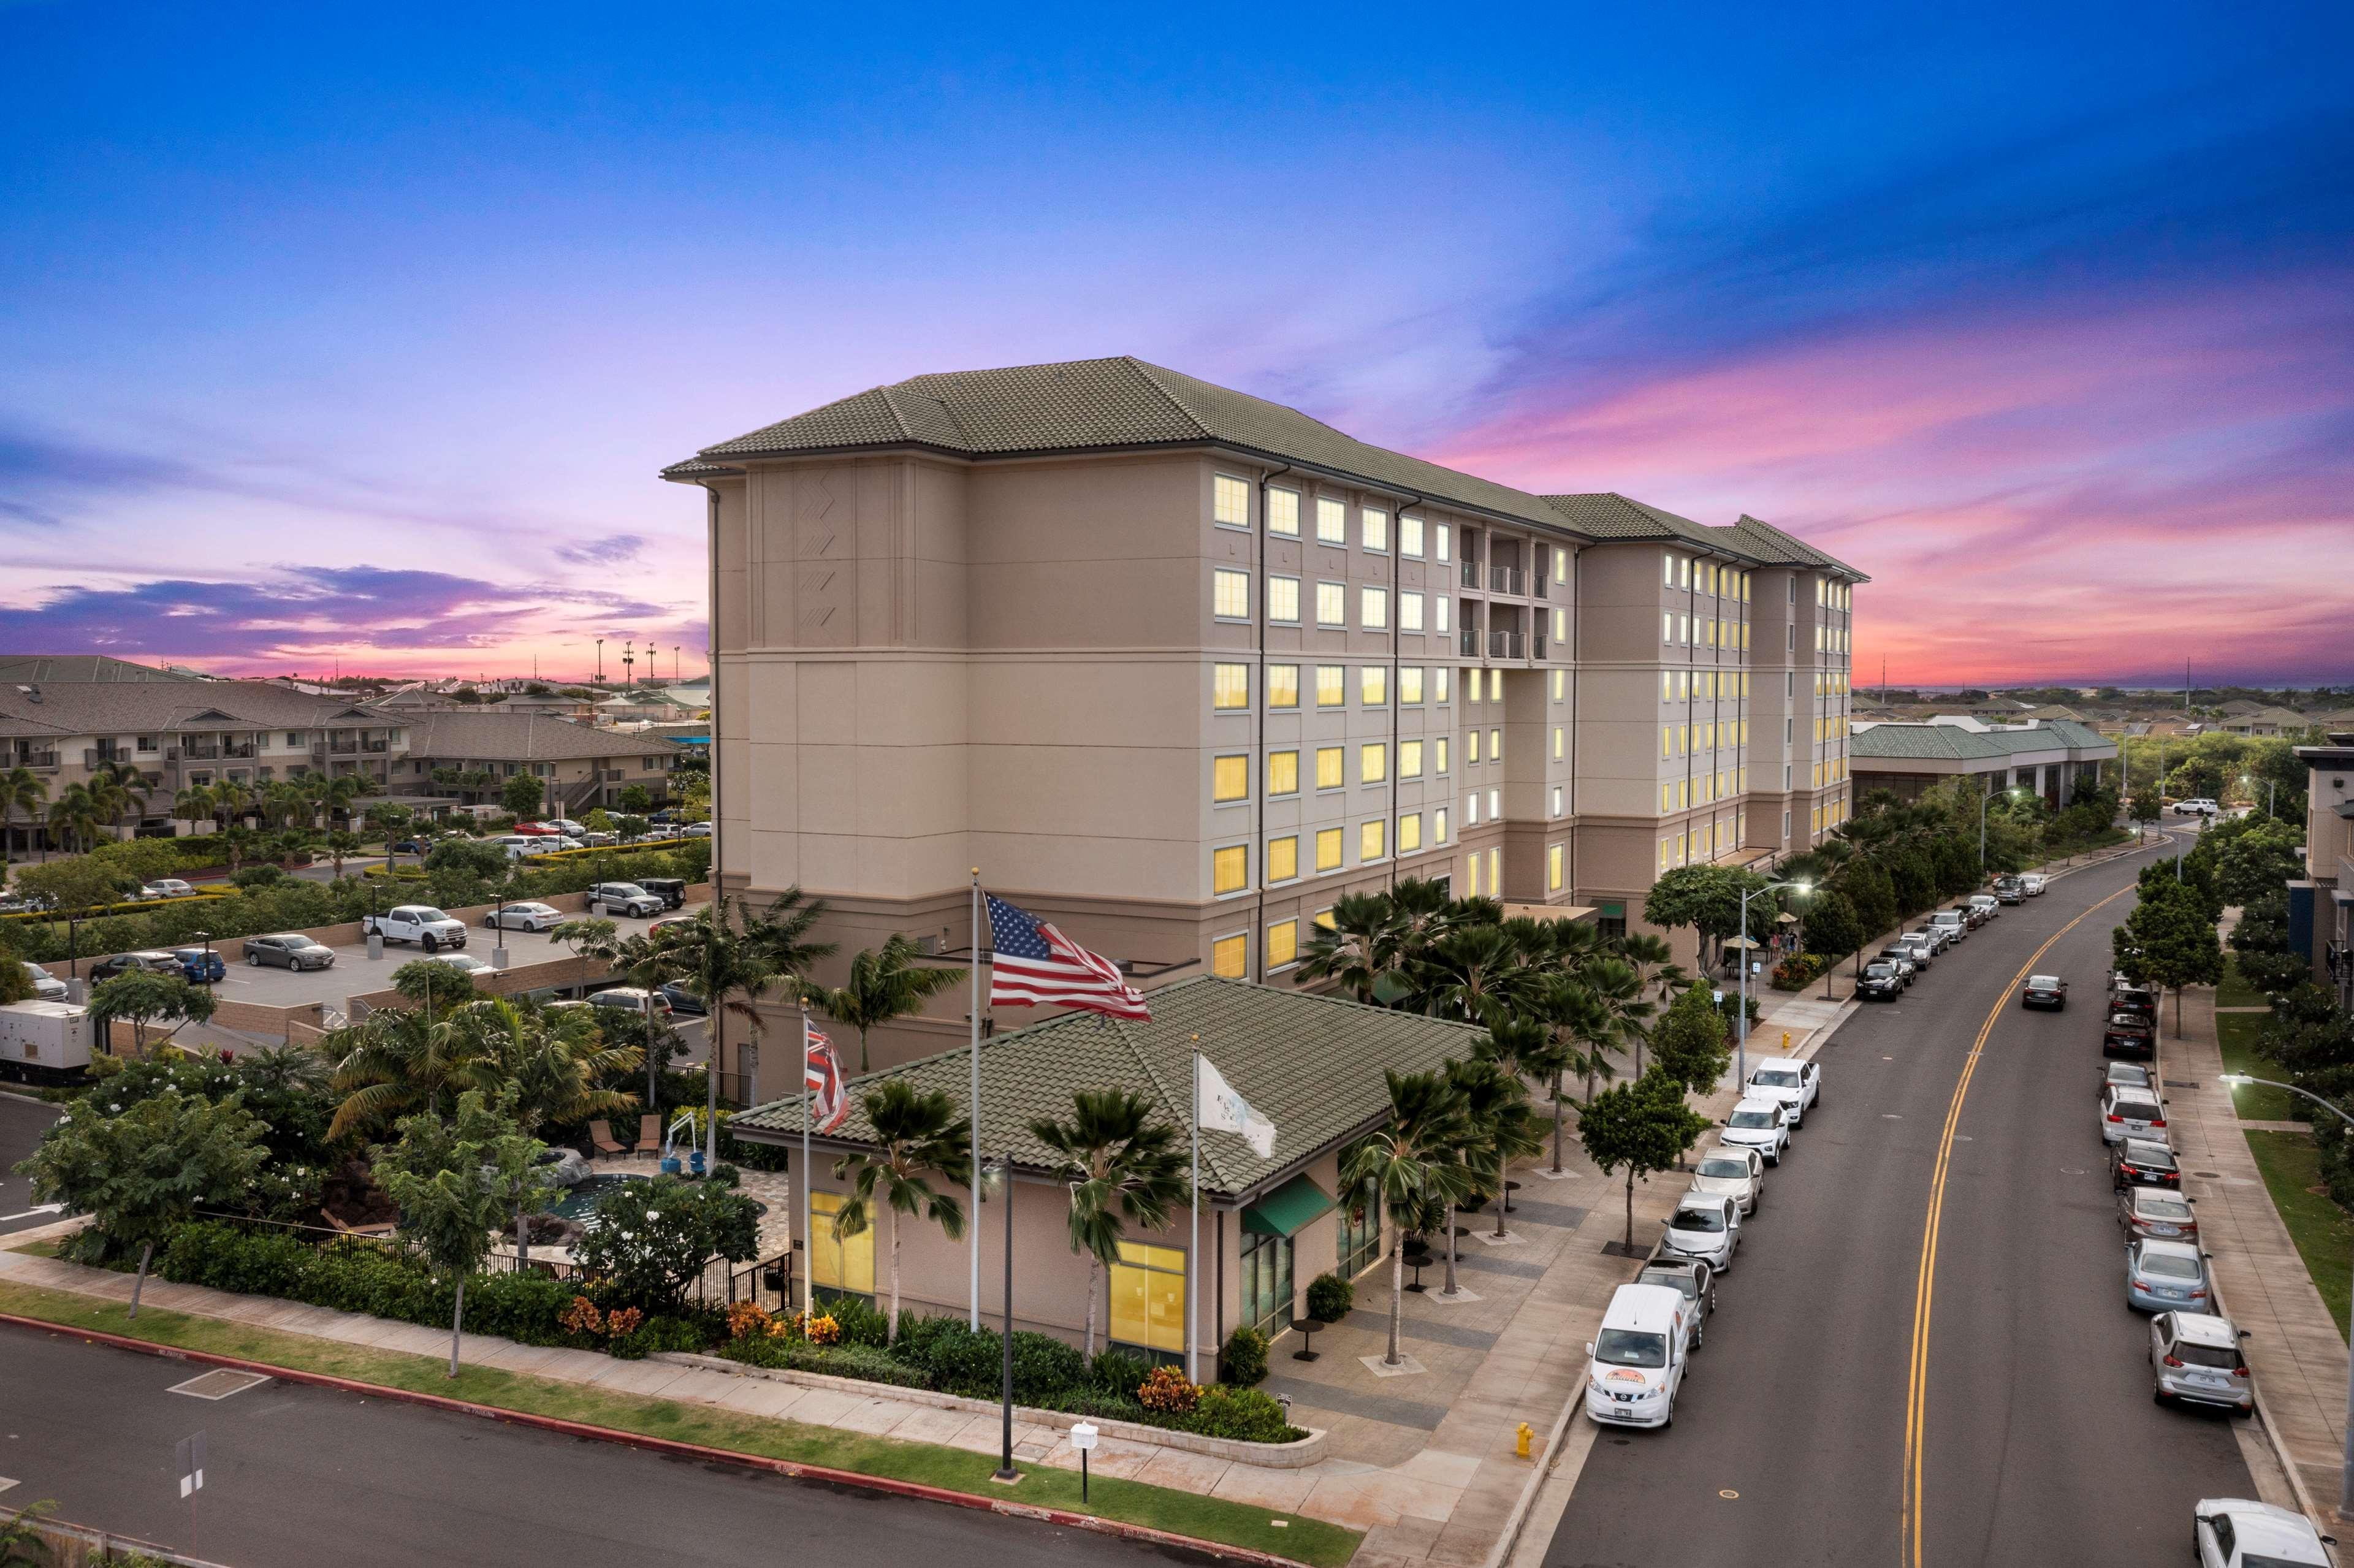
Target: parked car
{"points": [[154, 961], [200, 964], [2045, 990], [596, 840], [2131, 1113], [523, 917], [1727, 1171], [518, 845], [168, 887], [566, 826], [1759, 1125], [2194, 1357], [2130, 1034], [1797, 1084], [1972, 915], [464, 963], [631, 998], [2033, 882], [289, 951], [414, 846], [1989, 906], [1635, 1365], [2130, 1075], [2164, 1275], [1705, 1227], [2010, 889], [2198, 807], [624, 898], [1921, 947], [670, 890], [422, 924], [537, 830], [1879, 982], [2158, 1212], [2125, 996], [682, 1000], [1900, 958], [46, 986], [2237, 1532], [667, 922], [1954, 923], [2143, 1162], [1691, 1278], [695, 830]]}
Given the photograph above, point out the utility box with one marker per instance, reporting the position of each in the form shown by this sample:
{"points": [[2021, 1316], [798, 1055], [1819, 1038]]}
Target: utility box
{"points": [[45, 1042]]}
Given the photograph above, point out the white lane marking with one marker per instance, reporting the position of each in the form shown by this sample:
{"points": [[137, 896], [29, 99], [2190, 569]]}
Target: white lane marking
{"points": [[44, 1209]]}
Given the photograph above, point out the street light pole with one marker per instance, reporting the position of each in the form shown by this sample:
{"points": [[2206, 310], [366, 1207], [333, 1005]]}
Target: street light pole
{"points": [[2346, 1475]]}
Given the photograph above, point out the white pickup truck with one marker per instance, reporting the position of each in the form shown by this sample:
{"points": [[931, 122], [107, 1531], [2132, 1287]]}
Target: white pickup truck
{"points": [[422, 924]]}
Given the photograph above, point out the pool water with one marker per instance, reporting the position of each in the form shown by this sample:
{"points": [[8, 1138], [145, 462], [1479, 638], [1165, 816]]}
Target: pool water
{"points": [[579, 1204]]}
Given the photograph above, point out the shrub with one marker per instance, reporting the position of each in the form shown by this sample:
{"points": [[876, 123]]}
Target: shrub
{"points": [[1045, 1367], [1097, 1403], [1242, 1414], [859, 1323], [1329, 1297], [1119, 1373], [1167, 1392], [727, 1175], [1246, 1357]]}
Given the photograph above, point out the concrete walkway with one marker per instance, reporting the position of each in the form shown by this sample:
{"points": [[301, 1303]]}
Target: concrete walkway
{"points": [[2294, 1348]]}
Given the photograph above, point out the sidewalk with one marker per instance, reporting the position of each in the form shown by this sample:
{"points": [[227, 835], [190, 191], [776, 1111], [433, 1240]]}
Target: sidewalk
{"points": [[2299, 1361]]}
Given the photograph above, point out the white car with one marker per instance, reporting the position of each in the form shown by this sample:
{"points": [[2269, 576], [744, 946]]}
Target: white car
{"points": [[168, 887], [1635, 1367], [1988, 903], [565, 826], [1705, 1227], [695, 830], [2201, 807], [1797, 1085], [524, 917], [464, 963], [2033, 884], [422, 924], [46, 986], [2131, 1113], [1731, 1171], [2236, 1532], [1759, 1125]]}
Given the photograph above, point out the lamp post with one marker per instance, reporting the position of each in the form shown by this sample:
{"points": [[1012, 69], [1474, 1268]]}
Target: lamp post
{"points": [[2345, 1477], [207, 939], [2271, 792], [1741, 1027], [1002, 1167]]}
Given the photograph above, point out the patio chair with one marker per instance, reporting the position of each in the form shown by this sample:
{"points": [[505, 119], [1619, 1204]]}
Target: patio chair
{"points": [[600, 1138], [382, 1228], [649, 1136]]}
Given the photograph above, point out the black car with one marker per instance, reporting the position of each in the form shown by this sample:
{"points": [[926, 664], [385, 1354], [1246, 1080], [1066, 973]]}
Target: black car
{"points": [[670, 890], [1692, 1279], [2130, 1034], [2139, 1162], [683, 1000], [154, 963], [1880, 982], [2045, 990]]}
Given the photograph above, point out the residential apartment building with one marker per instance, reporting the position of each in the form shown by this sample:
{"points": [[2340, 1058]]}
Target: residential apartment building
{"points": [[1178, 668], [581, 767], [2321, 903]]}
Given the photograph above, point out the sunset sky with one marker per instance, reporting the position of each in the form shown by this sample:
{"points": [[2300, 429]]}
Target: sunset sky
{"points": [[352, 334]]}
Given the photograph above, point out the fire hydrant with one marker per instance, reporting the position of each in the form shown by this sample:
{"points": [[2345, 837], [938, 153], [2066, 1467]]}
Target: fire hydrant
{"points": [[1785, 1043], [1525, 1435]]}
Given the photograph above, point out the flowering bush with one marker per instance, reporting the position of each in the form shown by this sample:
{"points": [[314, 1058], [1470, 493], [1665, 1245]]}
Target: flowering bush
{"points": [[1167, 1391], [651, 1239], [821, 1330], [582, 1317], [749, 1318], [1796, 971], [623, 1321]]}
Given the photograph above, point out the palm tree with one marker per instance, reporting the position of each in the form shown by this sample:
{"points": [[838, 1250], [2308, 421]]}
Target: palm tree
{"points": [[914, 1132], [885, 983], [231, 802], [1475, 973], [1575, 1020], [1359, 949], [193, 805], [341, 842], [1113, 1157], [1502, 1126], [75, 814], [21, 790], [1414, 1160], [287, 1067], [239, 840], [129, 787], [394, 1063], [1621, 990]]}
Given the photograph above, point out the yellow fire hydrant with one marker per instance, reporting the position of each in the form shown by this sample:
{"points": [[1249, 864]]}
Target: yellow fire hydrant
{"points": [[1785, 1043], [1526, 1434]]}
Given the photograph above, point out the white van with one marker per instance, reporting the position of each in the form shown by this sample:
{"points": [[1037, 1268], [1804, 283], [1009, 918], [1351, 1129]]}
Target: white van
{"points": [[1635, 1369]]}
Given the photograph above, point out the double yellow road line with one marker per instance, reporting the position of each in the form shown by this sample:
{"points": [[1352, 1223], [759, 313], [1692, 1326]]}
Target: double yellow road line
{"points": [[1924, 1285]]}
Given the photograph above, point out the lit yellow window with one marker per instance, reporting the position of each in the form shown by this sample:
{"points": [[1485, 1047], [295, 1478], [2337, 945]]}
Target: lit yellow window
{"points": [[1372, 839], [1331, 522], [1471, 885], [1230, 500], [1560, 564], [1471, 746], [1230, 956], [1667, 740], [1409, 760], [1684, 794], [1374, 609], [1230, 780], [1147, 1298], [1410, 683], [1441, 752], [1374, 683], [838, 1262], [1410, 536], [1560, 629], [1667, 686], [1409, 612], [1283, 685], [1282, 943], [1328, 850], [1560, 742], [1440, 680], [1439, 826], [1409, 833], [1283, 513], [1495, 745], [1663, 854], [1332, 604], [1331, 686], [1552, 868], [1230, 686], [1560, 683], [1666, 796], [1377, 530], [1283, 773], [1324, 918], [1229, 868], [1230, 595], [1282, 858], [1372, 762], [1328, 765], [1283, 599], [1495, 686]]}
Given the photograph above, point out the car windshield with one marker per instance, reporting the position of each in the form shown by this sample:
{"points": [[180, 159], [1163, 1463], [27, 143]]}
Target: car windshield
{"points": [[2208, 1356], [2042, 982], [1627, 1348], [1709, 1220], [625, 890], [1776, 1078], [2166, 1266], [1673, 1278], [2155, 1208], [1735, 1170], [298, 942], [430, 915], [1751, 1119]]}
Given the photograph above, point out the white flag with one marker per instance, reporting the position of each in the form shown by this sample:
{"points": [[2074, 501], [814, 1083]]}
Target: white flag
{"points": [[1217, 1109]]}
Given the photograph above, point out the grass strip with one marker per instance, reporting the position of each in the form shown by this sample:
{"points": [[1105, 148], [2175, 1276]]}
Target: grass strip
{"points": [[2322, 1231], [2235, 1038], [1308, 1541], [2234, 991]]}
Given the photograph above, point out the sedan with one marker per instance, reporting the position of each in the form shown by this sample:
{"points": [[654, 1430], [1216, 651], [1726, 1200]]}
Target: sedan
{"points": [[1706, 1228], [1759, 1125], [2195, 1357], [2238, 1532], [1691, 1278], [289, 951], [1797, 1084], [683, 999], [1899, 957], [46, 986], [2045, 990], [1920, 947], [2033, 884], [2162, 1274], [154, 963], [1987, 905], [2127, 1075], [2158, 1212], [2137, 1162], [2130, 1034], [464, 963], [1879, 982], [524, 917], [1727, 1172]]}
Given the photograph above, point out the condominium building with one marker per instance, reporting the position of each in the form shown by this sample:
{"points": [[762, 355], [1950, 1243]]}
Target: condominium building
{"points": [[1177, 667]]}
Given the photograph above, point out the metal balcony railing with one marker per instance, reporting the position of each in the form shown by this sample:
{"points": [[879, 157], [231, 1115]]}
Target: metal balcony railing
{"points": [[1504, 579], [38, 760], [1537, 646], [1470, 643], [343, 747], [1542, 587], [1470, 573], [1503, 644]]}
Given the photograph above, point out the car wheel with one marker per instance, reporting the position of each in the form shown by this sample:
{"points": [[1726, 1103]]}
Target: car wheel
{"points": [[253, 958], [1700, 1334], [2157, 1395], [1775, 1157], [432, 943]]}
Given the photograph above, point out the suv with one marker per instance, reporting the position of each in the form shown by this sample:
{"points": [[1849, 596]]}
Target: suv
{"points": [[1955, 924], [1988, 905], [624, 898], [2201, 807], [2196, 1356], [1918, 946], [200, 964], [670, 890], [422, 924], [1694, 1279], [2010, 889], [1880, 981]]}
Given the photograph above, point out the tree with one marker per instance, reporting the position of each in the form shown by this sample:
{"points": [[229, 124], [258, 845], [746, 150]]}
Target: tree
{"points": [[387, 821], [76, 813], [1688, 1042], [21, 790], [1705, 897], [1576, 1022], [453, 1182], [1833, 930], [654, 1238], [1415, 1160], [523, 795], [2253, 857], [1474, 973], [1119, 1165], [1359, 947], [145, 999], [885, 982], [69, 884], [15, 980], [1502, 1128], [392, 1063], [637, 800], [2168, 940], [914, 1132], [1643, 1127], [124, 788], [340, 843], [472, 857], [142, 1174]]}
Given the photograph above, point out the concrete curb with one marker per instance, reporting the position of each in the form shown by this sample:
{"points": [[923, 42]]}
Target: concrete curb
{"points": [[814, 1474]]}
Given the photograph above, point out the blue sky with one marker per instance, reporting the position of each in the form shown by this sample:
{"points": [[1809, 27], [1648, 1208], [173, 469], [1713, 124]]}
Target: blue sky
{"points": [[359, 335]]}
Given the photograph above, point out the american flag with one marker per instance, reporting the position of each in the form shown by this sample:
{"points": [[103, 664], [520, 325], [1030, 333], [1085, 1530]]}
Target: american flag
{"points": [[1038, 966], [822, 1077]]}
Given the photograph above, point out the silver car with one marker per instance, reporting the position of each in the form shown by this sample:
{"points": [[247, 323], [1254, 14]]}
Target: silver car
{"points": [[289, 951], [1694, 1280], [1703, 1227], [2162, 1276], [1923, 948], [1728, 1172], [2195, 1356], [46, 986], [2127, 1075], [524, 917]]}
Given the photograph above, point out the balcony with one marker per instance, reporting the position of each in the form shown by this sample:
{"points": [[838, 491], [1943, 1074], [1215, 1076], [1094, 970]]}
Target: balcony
{"points": [[1503, 644], [343, 747], [1542, 585], [1470, 573], [1537, 646], [1504, 579], [374, 747], [237, 748], [1470, 643], [38, 761]]}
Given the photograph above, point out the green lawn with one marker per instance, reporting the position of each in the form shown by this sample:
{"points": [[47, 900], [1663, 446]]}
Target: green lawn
{"points": [[2236, 1035], [2322, 1231], [2235, 991], [1308, 1541]]}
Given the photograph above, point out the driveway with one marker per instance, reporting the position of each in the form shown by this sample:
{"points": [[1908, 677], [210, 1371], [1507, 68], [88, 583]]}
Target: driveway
{"points": [[22, 1122]]}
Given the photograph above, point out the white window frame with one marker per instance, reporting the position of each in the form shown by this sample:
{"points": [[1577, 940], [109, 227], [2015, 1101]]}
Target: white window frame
{"points": [[1219, 490], [1221, 578], [1333, 514], [1272, 527], [1274, 613], [1339, 598]]}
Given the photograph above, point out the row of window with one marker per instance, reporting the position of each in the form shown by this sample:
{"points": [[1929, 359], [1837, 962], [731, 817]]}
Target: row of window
{"points": [[1831, 683], [1682, 740], [1833, 639], [1829, 594], [1830, 772], [1680, 631], [1681, 685], [1705, 842], [1230, 685], [1829, 814], [1727, 582], [1230, 863], [1706, 788], [1230, 508], [1230, 774], [1833, 728], [1230, 600]]}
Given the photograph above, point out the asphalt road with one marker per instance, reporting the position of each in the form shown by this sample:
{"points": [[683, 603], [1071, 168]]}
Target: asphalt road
{"points": [[22, 1122], [2042, 1442], [297, 1475]]}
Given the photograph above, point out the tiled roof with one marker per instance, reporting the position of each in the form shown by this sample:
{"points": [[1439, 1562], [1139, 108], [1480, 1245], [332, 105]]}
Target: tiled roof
{"points": [[1918, 742], [1087, 403], [130, 708], [474, 735], [1786, 549], [1610, 515], [1311, 1064]]}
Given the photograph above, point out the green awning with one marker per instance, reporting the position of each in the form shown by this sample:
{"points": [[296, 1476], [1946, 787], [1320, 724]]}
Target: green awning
{"points": [[1287, 1211]]}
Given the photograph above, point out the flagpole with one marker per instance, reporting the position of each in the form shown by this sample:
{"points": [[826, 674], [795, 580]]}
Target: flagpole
{"points": [[1193, 1250], [973, 1288], [809, 1242]]}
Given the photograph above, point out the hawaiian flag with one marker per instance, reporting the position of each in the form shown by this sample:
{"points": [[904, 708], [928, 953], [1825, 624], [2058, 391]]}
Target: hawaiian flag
{"points": [[822, 1077], [1034, 965]]}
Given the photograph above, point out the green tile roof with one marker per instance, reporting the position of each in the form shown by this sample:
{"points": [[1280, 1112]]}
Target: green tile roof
{"points": [[1610, 515], [1311, 1064], [1946, 742]]}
